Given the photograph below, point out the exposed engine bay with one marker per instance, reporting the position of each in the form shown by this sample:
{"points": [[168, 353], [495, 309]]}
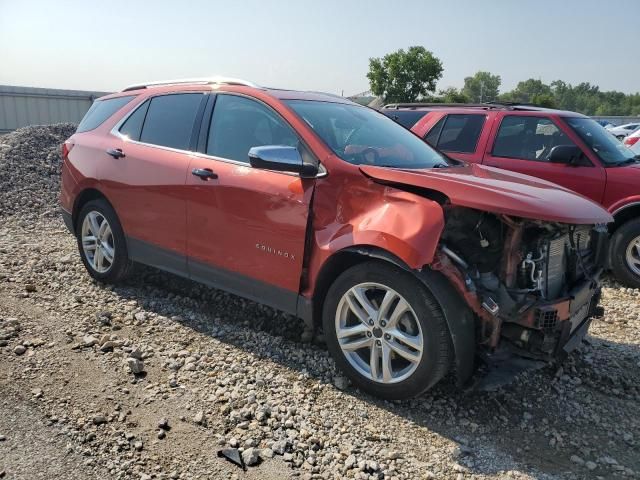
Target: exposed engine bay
{"points": [[532, 283]]}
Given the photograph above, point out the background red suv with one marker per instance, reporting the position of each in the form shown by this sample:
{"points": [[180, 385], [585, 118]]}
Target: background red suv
{"points": [[334, 213], [562, 147]]}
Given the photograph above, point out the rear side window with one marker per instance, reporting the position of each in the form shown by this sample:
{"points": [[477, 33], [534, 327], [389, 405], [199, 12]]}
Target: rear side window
{"points": [[528, 138], [169, 120], [458, 133], [132, 127], [406, 118], [238, 124], [434, 133], [100, 111]]}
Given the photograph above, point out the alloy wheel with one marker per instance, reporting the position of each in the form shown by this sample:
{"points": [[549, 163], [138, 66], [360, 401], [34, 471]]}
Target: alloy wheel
{"points": [[97, 242], [379, 333], [633, 255]]}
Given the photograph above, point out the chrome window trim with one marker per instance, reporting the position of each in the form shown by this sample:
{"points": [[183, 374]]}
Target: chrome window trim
{"points": [[115, 131], [632, 204]]}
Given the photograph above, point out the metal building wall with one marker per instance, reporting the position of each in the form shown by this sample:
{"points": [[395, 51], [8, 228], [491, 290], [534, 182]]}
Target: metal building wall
{"points": [[22, 106]]}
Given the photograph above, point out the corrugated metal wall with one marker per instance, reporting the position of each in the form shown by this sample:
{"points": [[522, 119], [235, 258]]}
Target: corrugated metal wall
{"points": [[22, 106]]}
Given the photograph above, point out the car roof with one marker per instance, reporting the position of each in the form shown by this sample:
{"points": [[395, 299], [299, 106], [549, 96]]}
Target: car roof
{"points": [[226, 84], [475, 107]]}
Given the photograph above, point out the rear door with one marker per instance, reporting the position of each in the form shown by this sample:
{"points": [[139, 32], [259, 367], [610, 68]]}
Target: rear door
{"points": [[147, 184], [522, 143], [246, 227]]}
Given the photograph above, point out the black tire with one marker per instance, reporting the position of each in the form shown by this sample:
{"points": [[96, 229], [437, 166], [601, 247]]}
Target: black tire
{"points": [[121, 265], [437, 353], [620, 242]]}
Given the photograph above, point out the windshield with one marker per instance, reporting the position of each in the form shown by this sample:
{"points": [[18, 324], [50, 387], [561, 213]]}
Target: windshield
{"points": [[363, 136], [605, 145]]}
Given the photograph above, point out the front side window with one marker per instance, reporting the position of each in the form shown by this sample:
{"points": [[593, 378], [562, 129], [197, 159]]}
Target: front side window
{"points": [[460, 133], [362, 136], [239, 123], [169, 120], [100, 111], [600, 141], [528, 138]]}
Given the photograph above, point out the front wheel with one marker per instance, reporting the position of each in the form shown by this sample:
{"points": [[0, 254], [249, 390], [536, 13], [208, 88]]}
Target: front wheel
{"points": [[625, 253], [386, 331]]}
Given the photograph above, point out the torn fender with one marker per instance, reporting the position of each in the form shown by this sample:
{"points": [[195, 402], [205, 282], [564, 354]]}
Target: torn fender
{"points": [[404, 224]]}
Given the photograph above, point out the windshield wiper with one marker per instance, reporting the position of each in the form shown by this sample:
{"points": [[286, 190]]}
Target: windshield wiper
{"points": [[441, 165]]}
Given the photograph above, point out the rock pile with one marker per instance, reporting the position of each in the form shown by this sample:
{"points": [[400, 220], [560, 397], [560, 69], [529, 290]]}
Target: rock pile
{"points": [[30, 169]]}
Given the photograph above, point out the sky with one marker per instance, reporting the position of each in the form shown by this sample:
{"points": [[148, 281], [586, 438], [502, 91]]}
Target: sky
{"points": [[314, 45]]}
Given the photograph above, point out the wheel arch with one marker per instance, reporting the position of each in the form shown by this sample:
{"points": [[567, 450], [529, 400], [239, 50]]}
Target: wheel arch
{"points": [[459, 318], [625, 213], [83, 198]]}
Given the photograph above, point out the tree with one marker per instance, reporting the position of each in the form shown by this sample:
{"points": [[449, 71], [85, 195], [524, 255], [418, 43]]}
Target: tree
{"points": [[482, 87], [451, 95], [527, 91], [404, 76]]}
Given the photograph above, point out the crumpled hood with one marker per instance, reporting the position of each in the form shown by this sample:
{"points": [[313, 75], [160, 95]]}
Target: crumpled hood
{"points": [[498, 191]]}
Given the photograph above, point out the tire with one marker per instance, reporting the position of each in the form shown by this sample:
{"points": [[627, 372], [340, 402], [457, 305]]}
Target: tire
{"points": [[114, 265], [423, 319], [623, 251]]}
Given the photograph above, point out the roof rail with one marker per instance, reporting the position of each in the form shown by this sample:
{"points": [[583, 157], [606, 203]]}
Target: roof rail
{"points": [[485, 106], [202, 81]]}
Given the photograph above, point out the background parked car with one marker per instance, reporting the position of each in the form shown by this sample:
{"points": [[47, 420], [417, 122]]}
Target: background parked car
{"points": [[632, 141], [563, 147], [623, 131]]}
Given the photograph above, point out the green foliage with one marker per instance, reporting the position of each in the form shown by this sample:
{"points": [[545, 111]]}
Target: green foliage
{"points": [[482, 87], [404, 76], [584, 98], [450, 95], [409, 76]]}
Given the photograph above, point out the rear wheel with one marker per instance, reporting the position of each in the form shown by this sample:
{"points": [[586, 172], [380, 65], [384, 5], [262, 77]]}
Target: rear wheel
{"points": [[625, 253], [386, 331], [101, 242]]}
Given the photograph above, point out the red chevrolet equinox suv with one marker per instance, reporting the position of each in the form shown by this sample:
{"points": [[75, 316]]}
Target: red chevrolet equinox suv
{"points": [[410, 263], [562, 147]]}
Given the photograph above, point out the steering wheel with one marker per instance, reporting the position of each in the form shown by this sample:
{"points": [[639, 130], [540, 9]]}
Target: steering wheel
{"points": [[369, 156]]}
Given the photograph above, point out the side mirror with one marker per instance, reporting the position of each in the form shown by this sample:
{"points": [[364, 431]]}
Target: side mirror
{"points": [[282, 159], [567, 154]]}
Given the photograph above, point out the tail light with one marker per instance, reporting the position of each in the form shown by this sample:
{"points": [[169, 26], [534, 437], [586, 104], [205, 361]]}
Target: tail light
{"points": [[65, 150], [629, 141]]}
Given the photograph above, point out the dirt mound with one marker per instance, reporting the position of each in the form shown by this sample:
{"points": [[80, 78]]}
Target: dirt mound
{"points": [[30, 169]]}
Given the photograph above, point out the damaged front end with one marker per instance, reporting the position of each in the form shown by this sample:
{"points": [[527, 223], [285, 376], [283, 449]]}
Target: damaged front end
{"points": [[533, 285]]}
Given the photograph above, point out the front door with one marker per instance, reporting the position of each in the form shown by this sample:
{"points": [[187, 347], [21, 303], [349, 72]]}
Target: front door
{"points": [[523, 143], [247, 227]]}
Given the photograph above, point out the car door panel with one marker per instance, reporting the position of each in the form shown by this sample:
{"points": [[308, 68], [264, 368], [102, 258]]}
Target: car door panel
{"points": [[586, 180], [248, 221]]}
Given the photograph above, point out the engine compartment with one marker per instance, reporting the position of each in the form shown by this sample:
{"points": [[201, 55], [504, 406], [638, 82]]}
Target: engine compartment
{"points": [[529, 282]]}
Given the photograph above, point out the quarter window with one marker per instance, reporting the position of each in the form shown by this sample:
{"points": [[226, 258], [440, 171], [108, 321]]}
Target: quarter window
{"points": [[434, 133], [100, 111], [169, 120], [132, 126], [238, 124], [528, 138]]}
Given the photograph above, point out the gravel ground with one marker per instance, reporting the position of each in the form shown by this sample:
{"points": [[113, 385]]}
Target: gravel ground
{"points": [[216, 371]]}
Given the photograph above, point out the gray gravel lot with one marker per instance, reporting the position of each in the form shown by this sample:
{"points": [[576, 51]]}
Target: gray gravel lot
{"points": [[221, 372]]}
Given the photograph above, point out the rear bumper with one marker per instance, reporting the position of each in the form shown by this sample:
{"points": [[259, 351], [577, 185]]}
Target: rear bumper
{"points": [[68, 220]]}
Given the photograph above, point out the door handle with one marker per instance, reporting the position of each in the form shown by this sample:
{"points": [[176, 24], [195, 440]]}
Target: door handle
{"points": [[204, 173], [116, 152]]}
